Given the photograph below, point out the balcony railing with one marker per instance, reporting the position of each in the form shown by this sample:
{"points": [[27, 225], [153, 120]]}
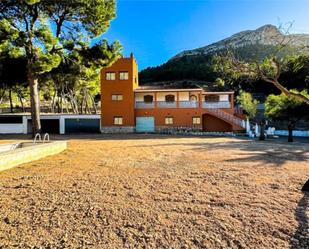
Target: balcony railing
{"points": [[143, 105], [182, 104], [216, 105], [163, 104], [188, 104]]}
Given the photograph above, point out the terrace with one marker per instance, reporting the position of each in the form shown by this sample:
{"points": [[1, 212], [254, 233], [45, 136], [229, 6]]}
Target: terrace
{"points": [[182, 98]]}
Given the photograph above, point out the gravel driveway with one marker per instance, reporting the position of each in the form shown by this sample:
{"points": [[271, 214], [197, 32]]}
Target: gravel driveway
{"points": [[147, 191]]}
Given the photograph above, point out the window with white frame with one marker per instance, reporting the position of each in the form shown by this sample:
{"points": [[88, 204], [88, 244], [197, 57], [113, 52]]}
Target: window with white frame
{"points": [[110, 76], [117, 97], [196, 120], [169, 120], [123, 75], [118, 120]]}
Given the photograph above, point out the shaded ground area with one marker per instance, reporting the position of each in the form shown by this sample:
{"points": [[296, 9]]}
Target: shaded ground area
{"points": [[146, 191]]}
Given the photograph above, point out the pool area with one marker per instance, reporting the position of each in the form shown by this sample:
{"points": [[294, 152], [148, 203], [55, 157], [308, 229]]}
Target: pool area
{"points": [[14, 154]]}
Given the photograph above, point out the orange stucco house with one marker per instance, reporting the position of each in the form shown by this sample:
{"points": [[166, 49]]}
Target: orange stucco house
{"points": [[126, 107]]}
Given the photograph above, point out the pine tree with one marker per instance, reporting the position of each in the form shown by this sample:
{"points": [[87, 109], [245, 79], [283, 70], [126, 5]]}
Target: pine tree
{"points": [[44, 31]]}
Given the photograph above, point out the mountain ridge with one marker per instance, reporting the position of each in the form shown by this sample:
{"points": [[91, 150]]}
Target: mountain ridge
{"points": [[267, 35], [197, 65]]}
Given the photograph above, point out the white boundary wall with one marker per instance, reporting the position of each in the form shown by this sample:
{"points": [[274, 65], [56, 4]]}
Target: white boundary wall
{"points": [[295, 133], [14, 128], [22, 128], [11, 128]]}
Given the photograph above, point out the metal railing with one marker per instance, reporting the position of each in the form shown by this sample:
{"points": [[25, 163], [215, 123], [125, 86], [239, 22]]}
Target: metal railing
{"points": [[221, 104], [183, 104], [46, 138], [163, 104], [227, 116], [143, 105], [37, 136], [188, 104]]}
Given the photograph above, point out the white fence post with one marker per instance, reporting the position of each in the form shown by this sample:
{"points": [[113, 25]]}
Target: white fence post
{"points": [[62, 125], [25, 125]]}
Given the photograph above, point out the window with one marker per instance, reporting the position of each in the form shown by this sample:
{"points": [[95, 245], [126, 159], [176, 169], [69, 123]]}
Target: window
{"points": [[148, 98], [169, 98], [117, 97], [124, 75], [196, 120], [224, 97], [110, 76], [118, 121], [169, 120], [211, 98], [193, 98]]}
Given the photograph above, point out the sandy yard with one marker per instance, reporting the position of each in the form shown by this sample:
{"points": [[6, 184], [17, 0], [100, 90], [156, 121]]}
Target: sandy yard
{"points": [[146, 191]]}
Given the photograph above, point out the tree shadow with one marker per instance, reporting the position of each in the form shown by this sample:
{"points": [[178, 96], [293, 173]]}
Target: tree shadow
{"points": [[300, 239], [271, 153]]}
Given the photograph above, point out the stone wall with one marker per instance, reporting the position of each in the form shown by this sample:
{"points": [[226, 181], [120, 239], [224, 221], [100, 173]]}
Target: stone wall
{"points": [[116, 129], [189, 131], [180, 129]]}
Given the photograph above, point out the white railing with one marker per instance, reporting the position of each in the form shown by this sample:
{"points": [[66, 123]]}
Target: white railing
{"points": [[143, 105], [163, 104], [183, 104], [221, 104], [188, 104], [37, 136], [46, 138], [227, 116]]}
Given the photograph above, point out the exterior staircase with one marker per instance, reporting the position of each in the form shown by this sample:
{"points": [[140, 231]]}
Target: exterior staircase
{"points": [[227, 117]]}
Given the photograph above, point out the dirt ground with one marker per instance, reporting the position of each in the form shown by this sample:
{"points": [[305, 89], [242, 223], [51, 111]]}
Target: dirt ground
{"points": [[146, 191]]}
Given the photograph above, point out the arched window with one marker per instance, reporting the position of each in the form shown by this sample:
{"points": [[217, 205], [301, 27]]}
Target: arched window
{"points": [[193, 98], [170, 98], [148, 98]]}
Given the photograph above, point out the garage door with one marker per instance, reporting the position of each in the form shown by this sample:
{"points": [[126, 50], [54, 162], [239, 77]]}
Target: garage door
{"points": [[76, 125], [145, 124], [51, 126]]}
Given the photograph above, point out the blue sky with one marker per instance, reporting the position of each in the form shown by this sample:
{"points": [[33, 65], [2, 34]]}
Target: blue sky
{"points": [[157, 30]]}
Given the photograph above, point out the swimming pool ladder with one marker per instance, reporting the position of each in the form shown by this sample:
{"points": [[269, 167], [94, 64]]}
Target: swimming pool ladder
{"points": [[38, 137], [46, 137]]}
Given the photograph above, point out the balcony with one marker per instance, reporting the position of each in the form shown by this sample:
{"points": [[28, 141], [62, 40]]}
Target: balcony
{"points": [[188, 104], [182, 104], [144, 105], [216, 105], [163, 104]]}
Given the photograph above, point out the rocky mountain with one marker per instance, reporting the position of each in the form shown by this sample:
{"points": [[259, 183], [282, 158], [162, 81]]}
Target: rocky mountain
{"points": [[267, 35], [196, 64]]}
